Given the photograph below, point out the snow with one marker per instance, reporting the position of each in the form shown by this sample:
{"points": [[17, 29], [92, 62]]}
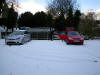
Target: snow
{"points": [[45, 57]]}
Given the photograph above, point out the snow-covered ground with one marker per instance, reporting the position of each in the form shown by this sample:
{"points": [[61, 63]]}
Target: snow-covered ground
{"points": [[45, 57]]}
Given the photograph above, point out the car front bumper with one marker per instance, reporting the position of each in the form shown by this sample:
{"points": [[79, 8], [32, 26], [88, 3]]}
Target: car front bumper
{"points": [[75, 41], [7, 41]]}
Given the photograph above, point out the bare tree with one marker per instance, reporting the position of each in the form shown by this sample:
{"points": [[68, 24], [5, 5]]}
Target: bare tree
{"points": [[60, 6], [15, 4], [87, 25], [2, 2]]}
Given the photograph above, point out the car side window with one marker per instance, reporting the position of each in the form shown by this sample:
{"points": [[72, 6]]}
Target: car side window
{"points": [[62, 33]]}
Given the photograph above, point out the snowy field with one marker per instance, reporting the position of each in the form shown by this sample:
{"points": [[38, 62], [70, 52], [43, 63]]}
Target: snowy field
{"points": [[45, 57]]}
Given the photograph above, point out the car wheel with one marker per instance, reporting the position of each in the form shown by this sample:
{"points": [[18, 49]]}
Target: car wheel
{"points": [[81, 43], [6, 43], [67, 42]]}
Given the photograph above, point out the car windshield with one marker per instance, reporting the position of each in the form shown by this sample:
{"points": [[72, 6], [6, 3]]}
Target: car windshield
{"points": [[73, 34], [17, 33], [24, 28]]}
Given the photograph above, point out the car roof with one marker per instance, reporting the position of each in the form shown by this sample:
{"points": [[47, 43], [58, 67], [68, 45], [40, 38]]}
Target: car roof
{"points": [[21, 30], [71, 31]]}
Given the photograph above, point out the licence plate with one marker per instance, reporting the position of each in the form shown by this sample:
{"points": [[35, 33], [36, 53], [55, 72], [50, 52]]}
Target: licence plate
{"points": [[76, 41]]}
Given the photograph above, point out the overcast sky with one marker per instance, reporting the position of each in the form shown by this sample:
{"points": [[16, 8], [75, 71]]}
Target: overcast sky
{"points": [[40, 5], [32, 5]]}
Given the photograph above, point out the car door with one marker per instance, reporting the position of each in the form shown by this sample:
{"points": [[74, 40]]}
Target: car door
{"points": [[62, 35], [27, 36]]}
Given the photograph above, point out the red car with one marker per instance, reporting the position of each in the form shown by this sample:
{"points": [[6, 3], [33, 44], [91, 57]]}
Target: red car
{"points": [[62, 35], [74, 37]]}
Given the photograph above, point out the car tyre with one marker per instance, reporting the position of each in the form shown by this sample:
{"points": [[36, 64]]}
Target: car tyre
{"points": [[81, 43], [67, 42], [6, 43]]}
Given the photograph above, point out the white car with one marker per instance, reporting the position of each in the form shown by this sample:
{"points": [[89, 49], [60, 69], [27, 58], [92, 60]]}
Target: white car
{"points": [[18, 37], [24, 28]]}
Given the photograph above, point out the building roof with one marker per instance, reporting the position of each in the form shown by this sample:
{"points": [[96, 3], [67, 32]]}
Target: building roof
{"points": [[41, 29]]}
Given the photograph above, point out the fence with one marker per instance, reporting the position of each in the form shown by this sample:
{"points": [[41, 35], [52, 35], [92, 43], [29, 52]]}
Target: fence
{"points": [[40, 35]]}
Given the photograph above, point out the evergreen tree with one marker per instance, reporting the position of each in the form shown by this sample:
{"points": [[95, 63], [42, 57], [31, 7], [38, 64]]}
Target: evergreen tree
{"points": [[40, 19], [69, 20], [49, 20], [76, 20], [60, 23], [25, 19], [11, 18]]}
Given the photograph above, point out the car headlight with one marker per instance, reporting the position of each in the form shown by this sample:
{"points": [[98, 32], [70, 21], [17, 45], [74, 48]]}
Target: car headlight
{"points": [[70, 38], [81, 38]]}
